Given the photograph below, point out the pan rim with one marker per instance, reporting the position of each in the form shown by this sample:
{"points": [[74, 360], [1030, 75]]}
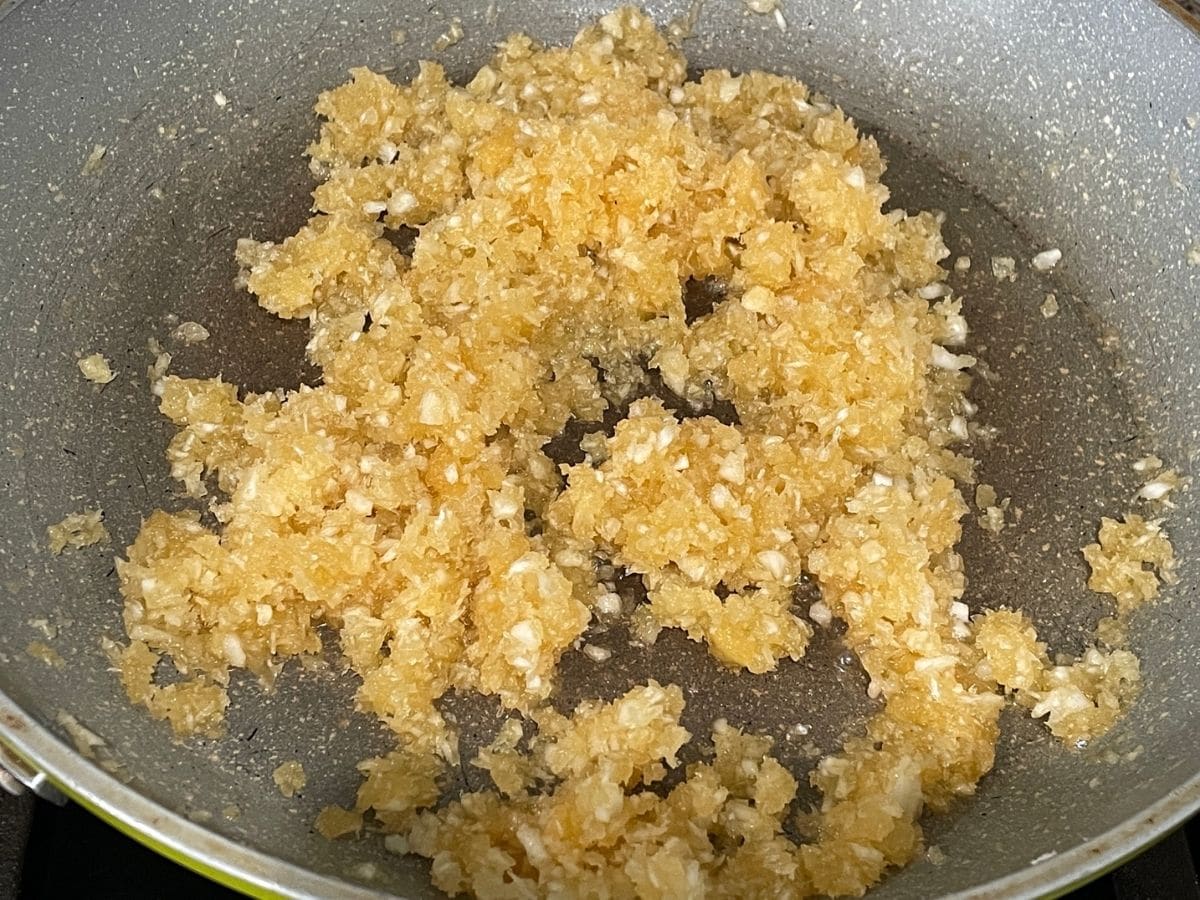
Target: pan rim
{"points": [[254, 872], [244, 868]]}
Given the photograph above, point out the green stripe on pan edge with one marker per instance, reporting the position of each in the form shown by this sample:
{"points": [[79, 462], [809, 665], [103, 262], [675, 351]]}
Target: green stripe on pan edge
{"points": [[252, 890], [221, 877], [233, 882]]}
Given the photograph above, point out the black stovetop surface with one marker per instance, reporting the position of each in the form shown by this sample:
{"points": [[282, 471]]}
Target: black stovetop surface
{"points": [[47, 851]]}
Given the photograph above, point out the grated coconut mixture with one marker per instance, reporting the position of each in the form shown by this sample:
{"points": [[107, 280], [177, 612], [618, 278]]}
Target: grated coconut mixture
{"points": [[564, 201]]}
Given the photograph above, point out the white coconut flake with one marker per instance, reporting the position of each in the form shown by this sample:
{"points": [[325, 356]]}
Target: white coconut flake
{"points": [[797, 732], [1049, 307], [360, 503], [962, 264], [220, 99], [820, 613], [951, 362], [1047, 259], [596, 653], [1161, 486], [1147, 464], [774, 562], [432, 410], [401, 202], [608, 604], [233, 650], [1155, 490], [524, 633]]}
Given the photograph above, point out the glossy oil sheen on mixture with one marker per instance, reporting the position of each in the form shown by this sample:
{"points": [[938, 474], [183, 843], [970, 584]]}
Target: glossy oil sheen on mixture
{"points": [[563, 201]]}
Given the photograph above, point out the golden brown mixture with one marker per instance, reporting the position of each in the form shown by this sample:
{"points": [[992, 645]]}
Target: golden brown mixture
{"points": [[563, 200]]}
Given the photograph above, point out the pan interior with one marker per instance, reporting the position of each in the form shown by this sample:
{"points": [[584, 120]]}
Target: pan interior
{"points": [[112, 259]]}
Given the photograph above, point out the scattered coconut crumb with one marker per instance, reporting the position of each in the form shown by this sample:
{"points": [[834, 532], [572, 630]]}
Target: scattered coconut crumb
{"points": [[220, 99], [334, 822], [95, 368], [86, 741], [81, 529], [190, 333], [1160, 486], [1047, 259], [1004, 268], [290, 778], [935, 855], [985, 495], [1193, 122], [46, 653], [1129, 561], [399, 37], [597, 653], [451, 36], [1193, 256], [1080, 698], [1148, 464], [232, 812], [992, 509], [1050, 307], [95, 160], [797, 732], [156, 372], [962, 264], [45, 627], [821, 614], [993, 518]]}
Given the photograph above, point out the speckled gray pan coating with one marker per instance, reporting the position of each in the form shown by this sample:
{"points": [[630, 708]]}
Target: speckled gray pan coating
{"points": [[1032, 123]]}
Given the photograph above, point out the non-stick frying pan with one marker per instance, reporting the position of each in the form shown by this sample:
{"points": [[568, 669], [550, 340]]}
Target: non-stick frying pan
{"points": [[1034, 124]]}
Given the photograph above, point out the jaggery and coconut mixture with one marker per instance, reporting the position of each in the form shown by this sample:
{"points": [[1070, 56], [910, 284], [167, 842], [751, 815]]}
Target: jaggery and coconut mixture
{"points": [[563, 202]]}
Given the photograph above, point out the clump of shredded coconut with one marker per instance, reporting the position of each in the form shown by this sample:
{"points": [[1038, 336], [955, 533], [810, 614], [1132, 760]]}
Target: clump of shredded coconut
{"points": [[289, 777], [76, 530], [96, 369]]}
